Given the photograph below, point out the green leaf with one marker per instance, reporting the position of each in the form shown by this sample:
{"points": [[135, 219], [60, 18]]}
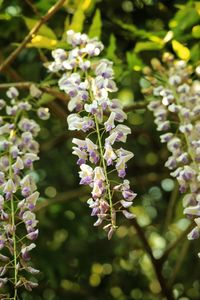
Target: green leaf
{"points": [[45, 98], [111, 55], [196, 31], [147, 46], [185, 18], [77, 20], [5, 16], [95, 28], [132, 29], [66, 24], [195, 53], [110, 52], [44, 29], [134, 62], [1, 2]]}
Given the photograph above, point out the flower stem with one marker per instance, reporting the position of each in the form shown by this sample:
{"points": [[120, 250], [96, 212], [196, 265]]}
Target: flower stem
{"points": [[186, 136], [105, 169], [14, 247], [13, 234]]}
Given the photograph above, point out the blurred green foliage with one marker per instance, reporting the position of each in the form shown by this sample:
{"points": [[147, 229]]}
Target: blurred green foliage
{"points": [[75, 259]]}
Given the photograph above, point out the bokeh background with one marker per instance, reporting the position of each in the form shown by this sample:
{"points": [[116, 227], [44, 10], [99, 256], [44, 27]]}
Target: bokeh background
{"points": [[76, 260]]}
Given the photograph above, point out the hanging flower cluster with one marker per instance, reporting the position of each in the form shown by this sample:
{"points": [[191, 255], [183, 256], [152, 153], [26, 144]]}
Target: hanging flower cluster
{"points": [[88, 82], [18, 191], [176, 108]]}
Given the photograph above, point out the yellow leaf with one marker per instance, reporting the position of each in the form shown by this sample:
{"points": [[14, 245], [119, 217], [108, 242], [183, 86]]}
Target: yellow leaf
{"points": [[44, 29], [86, 4], [181, 51], [40, 41]]}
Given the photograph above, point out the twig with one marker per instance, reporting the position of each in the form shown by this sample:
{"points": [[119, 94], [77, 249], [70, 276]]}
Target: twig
{"points": [[62, 96], [157, 264], [19, 85], [179, 261], [173, 245], [171, 205], [57, 110], [10, 71], [27, 84], [136, 105], [62, 197], [57, 94], [33, 7], [30, 35]]}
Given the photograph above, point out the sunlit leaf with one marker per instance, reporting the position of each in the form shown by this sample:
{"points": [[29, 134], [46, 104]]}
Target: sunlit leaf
{"points": [[87, 4], [5, 16], [44, 29], [77, 20], [134, 62], [111, 49], [181, 51], [40, 41], [132, 28], [66, 24], [95, 28], [147, 46], [168, 36], [197, 6], [185, 18], [196, 31], [156, 39]]}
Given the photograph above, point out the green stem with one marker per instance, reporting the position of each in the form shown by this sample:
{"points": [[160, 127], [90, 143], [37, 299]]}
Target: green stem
{"points": [[14, 247], [105, 170], [13, 235], [186, 136]]}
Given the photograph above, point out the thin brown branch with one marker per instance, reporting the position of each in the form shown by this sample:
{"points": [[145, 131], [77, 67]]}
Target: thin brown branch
{"points": [[62, 96], [57, 110], [62, 197], [136, 105], [19, 85], [33, 7], [27, 84], [157, 264], [174, 244], [179, 261], [56, 93], [30, 35], [171, 206], [10, 71]]}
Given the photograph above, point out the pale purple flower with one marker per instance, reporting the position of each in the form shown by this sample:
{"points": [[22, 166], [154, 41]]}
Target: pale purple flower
{"points": [[12, 93], [86, 174], [43, 113], [88, 83]]}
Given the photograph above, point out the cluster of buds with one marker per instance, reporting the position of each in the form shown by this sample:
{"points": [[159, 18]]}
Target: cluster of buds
{"points": [[176, 108], [88, 82], [18, 191]]}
